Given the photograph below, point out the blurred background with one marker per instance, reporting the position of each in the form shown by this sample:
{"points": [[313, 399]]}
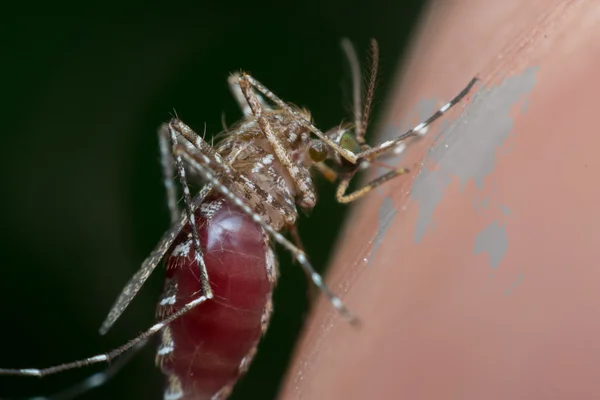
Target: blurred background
{"points": [[83, 202]]}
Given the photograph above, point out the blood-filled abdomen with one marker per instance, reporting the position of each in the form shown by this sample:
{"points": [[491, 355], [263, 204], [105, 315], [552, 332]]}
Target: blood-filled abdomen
{"points": [[204, 352]]}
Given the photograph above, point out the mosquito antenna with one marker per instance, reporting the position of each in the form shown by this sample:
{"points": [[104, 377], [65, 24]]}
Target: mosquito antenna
{"points": [[350, 53], [370, 89]]}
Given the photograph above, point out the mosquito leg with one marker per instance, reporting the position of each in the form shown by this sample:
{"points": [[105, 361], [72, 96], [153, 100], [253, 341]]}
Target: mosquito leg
{"points": [[313, 291], [326, 171], [136, 282], [179, 128], [296, 238], [234, 87], [96, 380], [111, 355], [342, 197], [194, 142], [166, 161], [385, 146], [348, 155], [201, 165], [149, 264], [204, 281]]}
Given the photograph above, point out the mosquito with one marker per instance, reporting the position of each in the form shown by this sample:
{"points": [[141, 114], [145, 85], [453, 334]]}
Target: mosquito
{"points": [[220, 265]]}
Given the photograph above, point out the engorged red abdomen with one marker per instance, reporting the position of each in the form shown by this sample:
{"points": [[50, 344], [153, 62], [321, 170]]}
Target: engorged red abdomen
{"points": [[203, 352]]}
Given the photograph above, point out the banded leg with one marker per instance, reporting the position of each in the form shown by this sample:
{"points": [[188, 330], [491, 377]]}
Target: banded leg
{"points": [[366, 154], [166, 162], [149, 264], [202, 165], [249, 80], [199, 255], [111, 355], [383, 147], [95, 380]]}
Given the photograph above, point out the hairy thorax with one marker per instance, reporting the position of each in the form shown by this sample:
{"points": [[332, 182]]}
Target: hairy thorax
{"points": [[246, 149]]}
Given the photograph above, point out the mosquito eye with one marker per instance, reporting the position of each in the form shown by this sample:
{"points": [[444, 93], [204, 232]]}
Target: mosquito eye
{"points": [[348, 142], [317, 151]]}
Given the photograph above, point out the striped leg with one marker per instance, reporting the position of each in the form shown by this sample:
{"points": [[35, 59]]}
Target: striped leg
{"points": [[204, 281], [368, 154], [166, 162], [373, 153], [96, 380], [139, 278], [249, 80], [384, 147], [111, 355]]}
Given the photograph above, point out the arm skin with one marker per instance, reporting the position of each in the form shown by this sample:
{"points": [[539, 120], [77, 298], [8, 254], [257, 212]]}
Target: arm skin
{"points": [[482, 271]]}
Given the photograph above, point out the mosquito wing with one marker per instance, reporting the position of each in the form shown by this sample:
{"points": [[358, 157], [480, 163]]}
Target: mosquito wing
{"points": [[149, 264]]}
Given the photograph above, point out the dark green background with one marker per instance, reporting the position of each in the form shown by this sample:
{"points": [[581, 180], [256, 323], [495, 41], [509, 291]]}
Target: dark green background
{"points": [[83, 202]]}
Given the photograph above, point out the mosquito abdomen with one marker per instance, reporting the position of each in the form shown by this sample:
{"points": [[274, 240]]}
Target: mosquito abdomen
{"points": [[205, 351]]}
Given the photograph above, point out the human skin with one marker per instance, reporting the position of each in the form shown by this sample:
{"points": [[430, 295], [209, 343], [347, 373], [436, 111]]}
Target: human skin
{"points": [[476, 275]]}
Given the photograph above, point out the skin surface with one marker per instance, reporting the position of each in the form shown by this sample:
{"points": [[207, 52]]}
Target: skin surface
{"points": [[476, 276]]}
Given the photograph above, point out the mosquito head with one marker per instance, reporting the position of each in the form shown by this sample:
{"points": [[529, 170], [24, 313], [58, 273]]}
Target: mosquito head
{"points": [[318, 152], [348, 141], [345, 137]]}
